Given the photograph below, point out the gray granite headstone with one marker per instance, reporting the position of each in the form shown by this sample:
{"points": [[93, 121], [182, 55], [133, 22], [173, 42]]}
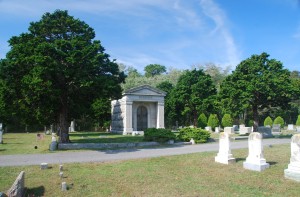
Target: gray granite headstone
{"points": [[235, 127], [265, 131], [276, 128]]}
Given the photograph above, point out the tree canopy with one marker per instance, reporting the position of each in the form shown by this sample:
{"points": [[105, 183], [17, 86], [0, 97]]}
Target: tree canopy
{"points": [[256, 83], [193, 93], [154, 69], [56, 71]]}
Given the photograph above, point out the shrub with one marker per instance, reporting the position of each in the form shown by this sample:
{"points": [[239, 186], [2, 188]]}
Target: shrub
{"points": [[280, 121], [199, 135], [227, 120], [213, 121], [202, 121], [250, 123], [268, 121], [158, 135], [298, 121]]}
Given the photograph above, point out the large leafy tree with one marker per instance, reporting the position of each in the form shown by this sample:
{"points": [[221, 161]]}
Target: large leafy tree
{"points": [[167, 87], [56, 71], [194, 93], [154, 69], [257, 83]]}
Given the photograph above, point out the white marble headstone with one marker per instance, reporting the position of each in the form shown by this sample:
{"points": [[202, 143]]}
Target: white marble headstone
{"points": [[290, 127], [255, 160], [208, 128], [224, 155], [229, 130], [217, 130], [293, 170]]}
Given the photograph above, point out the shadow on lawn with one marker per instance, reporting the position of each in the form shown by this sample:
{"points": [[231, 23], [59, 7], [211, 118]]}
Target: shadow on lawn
{"points": [[36, 191], [240, 159], [87, 134], [244, 159], [116, 151], [121, 139]]}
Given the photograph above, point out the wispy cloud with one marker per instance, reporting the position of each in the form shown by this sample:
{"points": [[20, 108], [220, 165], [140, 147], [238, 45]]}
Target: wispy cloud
{"points": [[175, 33], [213, 11]]}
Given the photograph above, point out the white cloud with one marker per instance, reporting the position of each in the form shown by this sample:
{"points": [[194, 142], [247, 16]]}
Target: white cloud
{"points": [[213, 11], [188, 37]]}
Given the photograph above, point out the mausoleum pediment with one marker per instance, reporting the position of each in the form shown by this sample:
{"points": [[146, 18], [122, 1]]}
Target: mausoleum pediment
{"points": [[145, 90]]}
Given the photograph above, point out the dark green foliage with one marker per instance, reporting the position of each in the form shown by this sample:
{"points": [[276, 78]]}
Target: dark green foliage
{"points": [[199, 135], [194, 92], [250, 123], [213, 121], [268, 121], [167, 87], [257, 83], [298, 121], [279, 120], [154, 69], [56, 71], [158, 135], [227, 120], [202, 121]]}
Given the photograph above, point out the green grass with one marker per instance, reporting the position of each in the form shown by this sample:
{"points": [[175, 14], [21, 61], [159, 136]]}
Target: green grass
{"points": [[183, 175], [99, 137], [24, 143]]}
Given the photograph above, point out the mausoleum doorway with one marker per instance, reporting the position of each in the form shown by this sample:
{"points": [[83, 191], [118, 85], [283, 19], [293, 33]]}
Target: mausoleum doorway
{"points": [[142, 118]]}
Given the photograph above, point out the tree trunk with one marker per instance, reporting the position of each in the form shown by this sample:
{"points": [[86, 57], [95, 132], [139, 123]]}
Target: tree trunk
{"points": [[63, 122], [195, 119], [255, 118]]}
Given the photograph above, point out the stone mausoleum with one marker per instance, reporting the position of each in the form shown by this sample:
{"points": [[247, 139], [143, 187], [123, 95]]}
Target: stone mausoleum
{"points": [[139, 108]]}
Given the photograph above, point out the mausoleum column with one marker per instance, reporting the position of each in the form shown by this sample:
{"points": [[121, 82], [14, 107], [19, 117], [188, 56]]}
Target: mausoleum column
{"points": [[128, 118], [160, 115]]}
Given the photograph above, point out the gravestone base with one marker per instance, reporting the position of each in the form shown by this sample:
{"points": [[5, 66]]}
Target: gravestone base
{"points": [[293, 171], [255, 167], [291, 174], [225, 159]]}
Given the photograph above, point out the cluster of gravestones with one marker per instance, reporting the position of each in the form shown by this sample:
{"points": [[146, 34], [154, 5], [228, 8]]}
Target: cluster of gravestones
{"points": [[64, 186], [255, 160]]}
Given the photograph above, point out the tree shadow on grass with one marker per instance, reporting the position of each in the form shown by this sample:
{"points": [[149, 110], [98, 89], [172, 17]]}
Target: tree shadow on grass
{"points": [[240, 159], [35, 191], [2, 149], [272, 163], [116, 151]]}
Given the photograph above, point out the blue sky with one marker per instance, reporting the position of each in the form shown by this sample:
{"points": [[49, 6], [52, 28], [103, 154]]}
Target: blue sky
{"points": [[174, 33]]}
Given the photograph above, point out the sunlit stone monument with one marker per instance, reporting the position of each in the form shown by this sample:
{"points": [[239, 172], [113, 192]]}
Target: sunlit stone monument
{"points": [[293, 170], [224, 155], [255, 160], [139, 108]]}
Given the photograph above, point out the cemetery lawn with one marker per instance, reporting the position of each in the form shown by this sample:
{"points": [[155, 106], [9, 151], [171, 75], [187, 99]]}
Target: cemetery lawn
{"points": [[182, 175], [25, 143]]}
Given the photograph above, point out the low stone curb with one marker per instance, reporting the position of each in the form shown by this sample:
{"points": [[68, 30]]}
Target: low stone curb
{"points": [[76, 146]]}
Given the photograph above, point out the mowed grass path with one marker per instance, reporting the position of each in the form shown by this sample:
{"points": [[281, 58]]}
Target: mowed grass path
{"points": [[183, 175]]}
